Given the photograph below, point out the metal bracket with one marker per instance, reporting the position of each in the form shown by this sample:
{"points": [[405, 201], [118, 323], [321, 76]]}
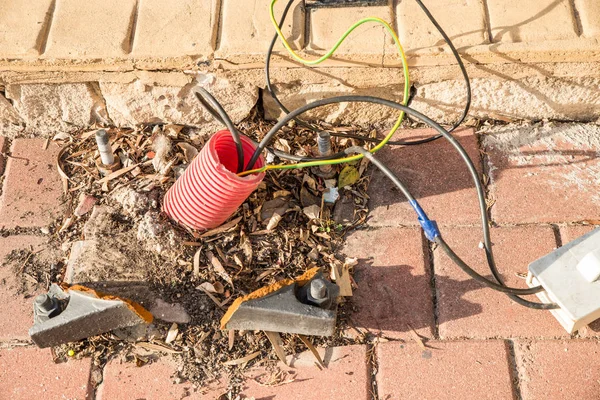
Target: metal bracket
{"points": [[307, 310], [63, 316]]}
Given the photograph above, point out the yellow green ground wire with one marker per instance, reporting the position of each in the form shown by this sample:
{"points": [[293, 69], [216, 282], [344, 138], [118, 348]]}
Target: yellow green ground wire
{"points": [[320, 60]]}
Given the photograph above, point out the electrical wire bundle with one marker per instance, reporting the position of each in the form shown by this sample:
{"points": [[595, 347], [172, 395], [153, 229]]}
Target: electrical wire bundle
{"points": [[430, 228]]}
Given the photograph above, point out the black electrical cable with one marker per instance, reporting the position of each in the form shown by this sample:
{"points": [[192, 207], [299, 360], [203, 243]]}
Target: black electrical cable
{"points": [[439, 240], [471, 167], [461, 65], [216, 110]]}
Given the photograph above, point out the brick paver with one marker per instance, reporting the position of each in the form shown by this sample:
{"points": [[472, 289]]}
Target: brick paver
{"points": [[445, 370], [435, 175], [394, 293], [29, 373], [346, 377], [541, 20], [23, 25], [559, 369], [246, 27], [100, 29], [468, 309], [589, 15], [544, 174], [179, 28], [32, 189], [416, 31], [124, 380], [18, 304]]}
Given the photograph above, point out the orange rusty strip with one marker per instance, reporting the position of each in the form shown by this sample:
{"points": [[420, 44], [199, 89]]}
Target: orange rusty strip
{"points": [[264, 291], [132, 305]]}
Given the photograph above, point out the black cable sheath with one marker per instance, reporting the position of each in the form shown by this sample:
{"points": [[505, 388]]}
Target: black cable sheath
{"points": [[218, 112], [470, 166]]}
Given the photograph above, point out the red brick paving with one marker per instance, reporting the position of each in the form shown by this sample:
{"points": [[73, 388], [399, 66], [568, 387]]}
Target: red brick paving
{"points": [[468, 309], [394, 290], [346, 377], [149, 382], [549, 178], [29, 374], [32, 190], [17, 308], [445, 370], [559, 369], [393, 279], [435, 175]]}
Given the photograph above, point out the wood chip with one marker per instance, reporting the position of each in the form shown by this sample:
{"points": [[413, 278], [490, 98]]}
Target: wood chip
{"points": [[117, 174], [275, 339], [231, 337], [156, 347], [172, 334], [243, 360], [222, 228], [312, 349]]}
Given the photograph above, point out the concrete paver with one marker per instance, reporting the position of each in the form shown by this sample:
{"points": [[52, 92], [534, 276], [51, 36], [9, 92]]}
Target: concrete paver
{"points": [[346, 377], [468, 309], [23, 26], [416, 31], [100, 29], [541, 20], [588, 12], [152, 381], [445, 370], [28, 373], [566, 369], [435, 175], [548, 173], [32, 189], [179, 28]]}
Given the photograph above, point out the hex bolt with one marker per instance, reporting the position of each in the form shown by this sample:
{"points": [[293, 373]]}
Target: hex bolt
{"points": [[106, 154], [318, 289], [44, 303]]}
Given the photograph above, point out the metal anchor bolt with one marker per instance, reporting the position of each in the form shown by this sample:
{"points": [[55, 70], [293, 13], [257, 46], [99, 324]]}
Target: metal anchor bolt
{"points": [[318, 289], [106, 154], [324, 147]]}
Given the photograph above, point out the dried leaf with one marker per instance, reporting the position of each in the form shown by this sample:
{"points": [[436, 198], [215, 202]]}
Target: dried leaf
{"points": [[243, 360], [218, 268], [172, 334], [212, 288], [277, 344], [197, 263], [416, 337], [312, 349], [117, 174], [348, 176], [189, 151], [312, 212], [273, 222], [222, 228], [213, 298], [156, 347]]}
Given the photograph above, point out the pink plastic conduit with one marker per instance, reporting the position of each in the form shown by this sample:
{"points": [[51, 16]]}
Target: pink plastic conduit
{"points": [[209, 191]]}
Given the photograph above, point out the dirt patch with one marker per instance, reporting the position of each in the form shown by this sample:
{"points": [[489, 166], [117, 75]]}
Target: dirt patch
{"points": [[119, 238]]}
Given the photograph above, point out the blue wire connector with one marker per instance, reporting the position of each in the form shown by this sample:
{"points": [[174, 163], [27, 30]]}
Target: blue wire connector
{"points": [[429, 227]]}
